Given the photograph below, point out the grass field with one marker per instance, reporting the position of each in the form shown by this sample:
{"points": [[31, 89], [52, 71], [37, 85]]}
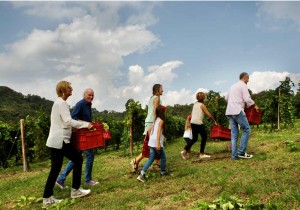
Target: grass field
{"points": [[271, 178]]}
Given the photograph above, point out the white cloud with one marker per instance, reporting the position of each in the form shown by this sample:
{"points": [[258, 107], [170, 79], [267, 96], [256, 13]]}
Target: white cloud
{"points": [[140, 85], [269, 80], [278, 14], [182, 96], [82, 52]]}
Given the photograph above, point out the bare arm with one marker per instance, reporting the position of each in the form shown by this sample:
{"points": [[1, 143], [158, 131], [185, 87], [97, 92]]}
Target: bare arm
{"points": [[207, 113], [159, 130], [155, 104]]}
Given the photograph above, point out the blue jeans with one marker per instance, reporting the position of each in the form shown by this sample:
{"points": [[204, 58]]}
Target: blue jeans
{"points": [[235, 121], [89, 154], [153, 152]]}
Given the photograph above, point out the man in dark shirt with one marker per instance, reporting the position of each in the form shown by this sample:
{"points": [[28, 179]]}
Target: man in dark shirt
{"points": [[81, 111]]}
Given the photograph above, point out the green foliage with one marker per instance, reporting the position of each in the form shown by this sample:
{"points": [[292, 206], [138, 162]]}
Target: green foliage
{"points": [[15, 106], [296, 102], [283, 97], [228, 202], [180, 110], [37, 131], [7, 143], [174, 127], [25, 201]]}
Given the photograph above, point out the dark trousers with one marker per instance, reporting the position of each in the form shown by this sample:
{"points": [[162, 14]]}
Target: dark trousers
{"points": [[197, 129], [57, 156]]}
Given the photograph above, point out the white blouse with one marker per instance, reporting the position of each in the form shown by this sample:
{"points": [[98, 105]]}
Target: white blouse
{"points": [[61, 124]]}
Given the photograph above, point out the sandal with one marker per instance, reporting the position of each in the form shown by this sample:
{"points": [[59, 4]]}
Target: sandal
{"points": [[134, 164]]}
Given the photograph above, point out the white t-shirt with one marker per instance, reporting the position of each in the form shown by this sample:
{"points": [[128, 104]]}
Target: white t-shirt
{"points": [[153, 135]]}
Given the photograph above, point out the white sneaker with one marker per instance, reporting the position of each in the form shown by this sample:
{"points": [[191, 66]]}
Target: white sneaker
{"points": [[245, 156], [49, 201], [141, 178], [79, 193], [204, 156]]}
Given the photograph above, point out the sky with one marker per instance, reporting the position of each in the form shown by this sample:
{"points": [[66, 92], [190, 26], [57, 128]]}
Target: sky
{"points": [[121, 49]]}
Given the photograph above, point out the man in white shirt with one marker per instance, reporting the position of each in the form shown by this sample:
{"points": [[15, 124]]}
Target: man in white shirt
{"points": [[237, 96]]}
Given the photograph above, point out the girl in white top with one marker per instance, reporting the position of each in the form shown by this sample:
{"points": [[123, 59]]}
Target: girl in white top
{"points": [[156, 143], [187, 135], [198, 112]]}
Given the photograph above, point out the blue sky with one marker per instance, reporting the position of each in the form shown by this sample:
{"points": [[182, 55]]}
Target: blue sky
{"points": [[120, 49]]}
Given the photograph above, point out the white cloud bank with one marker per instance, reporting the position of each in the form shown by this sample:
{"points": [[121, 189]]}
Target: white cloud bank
{"points": [[88, 50], [269, 80]]}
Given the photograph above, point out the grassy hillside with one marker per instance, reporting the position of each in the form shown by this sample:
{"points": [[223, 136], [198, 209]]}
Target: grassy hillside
{"points": [[271, 177], [15, 106]]}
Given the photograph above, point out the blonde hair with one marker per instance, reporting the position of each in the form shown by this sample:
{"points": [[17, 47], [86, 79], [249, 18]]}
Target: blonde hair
{"points": [[62, 87], [200, 97]]}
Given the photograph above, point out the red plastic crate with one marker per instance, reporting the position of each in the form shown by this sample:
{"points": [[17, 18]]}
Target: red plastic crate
{"points": [[146, 148], [84, 138], [220, 132], [253, 115]]}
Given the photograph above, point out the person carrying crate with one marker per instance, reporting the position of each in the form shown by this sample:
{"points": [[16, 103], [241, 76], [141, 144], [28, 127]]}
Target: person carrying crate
{"points": [[81, 111], [236, 98]]}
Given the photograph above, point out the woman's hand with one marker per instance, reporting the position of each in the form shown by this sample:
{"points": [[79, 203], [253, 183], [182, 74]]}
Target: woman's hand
{"points": [[90, 126], [158, 147]]}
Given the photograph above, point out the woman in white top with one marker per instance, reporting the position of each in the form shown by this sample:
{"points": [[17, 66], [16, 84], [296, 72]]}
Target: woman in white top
{"points": [[156, 143], [198, 112], [59, 143]]}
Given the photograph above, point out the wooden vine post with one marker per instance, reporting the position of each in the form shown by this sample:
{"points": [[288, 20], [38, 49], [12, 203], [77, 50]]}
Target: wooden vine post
{"points": [[22, 127], [131, 135], [278, 112]]}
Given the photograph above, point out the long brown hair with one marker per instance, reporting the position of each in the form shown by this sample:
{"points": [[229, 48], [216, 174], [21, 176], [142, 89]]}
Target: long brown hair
{"points": [[155, 89], [161, 113]]}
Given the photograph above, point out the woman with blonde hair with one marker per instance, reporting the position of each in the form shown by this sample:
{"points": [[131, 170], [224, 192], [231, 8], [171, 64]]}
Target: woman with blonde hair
{"points": [[59, 143], [198, 112]]}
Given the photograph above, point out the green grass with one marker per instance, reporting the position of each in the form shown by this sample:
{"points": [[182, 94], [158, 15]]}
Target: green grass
{"points": [[271, 177]]}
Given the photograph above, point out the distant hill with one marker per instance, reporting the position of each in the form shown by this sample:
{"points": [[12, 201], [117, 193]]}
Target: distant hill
{"points": [[15, 106]]}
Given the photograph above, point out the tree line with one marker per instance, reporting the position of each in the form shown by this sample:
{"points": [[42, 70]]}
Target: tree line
{"points": [[126, 128]]}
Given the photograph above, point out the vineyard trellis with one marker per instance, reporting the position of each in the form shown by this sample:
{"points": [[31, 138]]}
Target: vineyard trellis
{"points": [[127, 128]]}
